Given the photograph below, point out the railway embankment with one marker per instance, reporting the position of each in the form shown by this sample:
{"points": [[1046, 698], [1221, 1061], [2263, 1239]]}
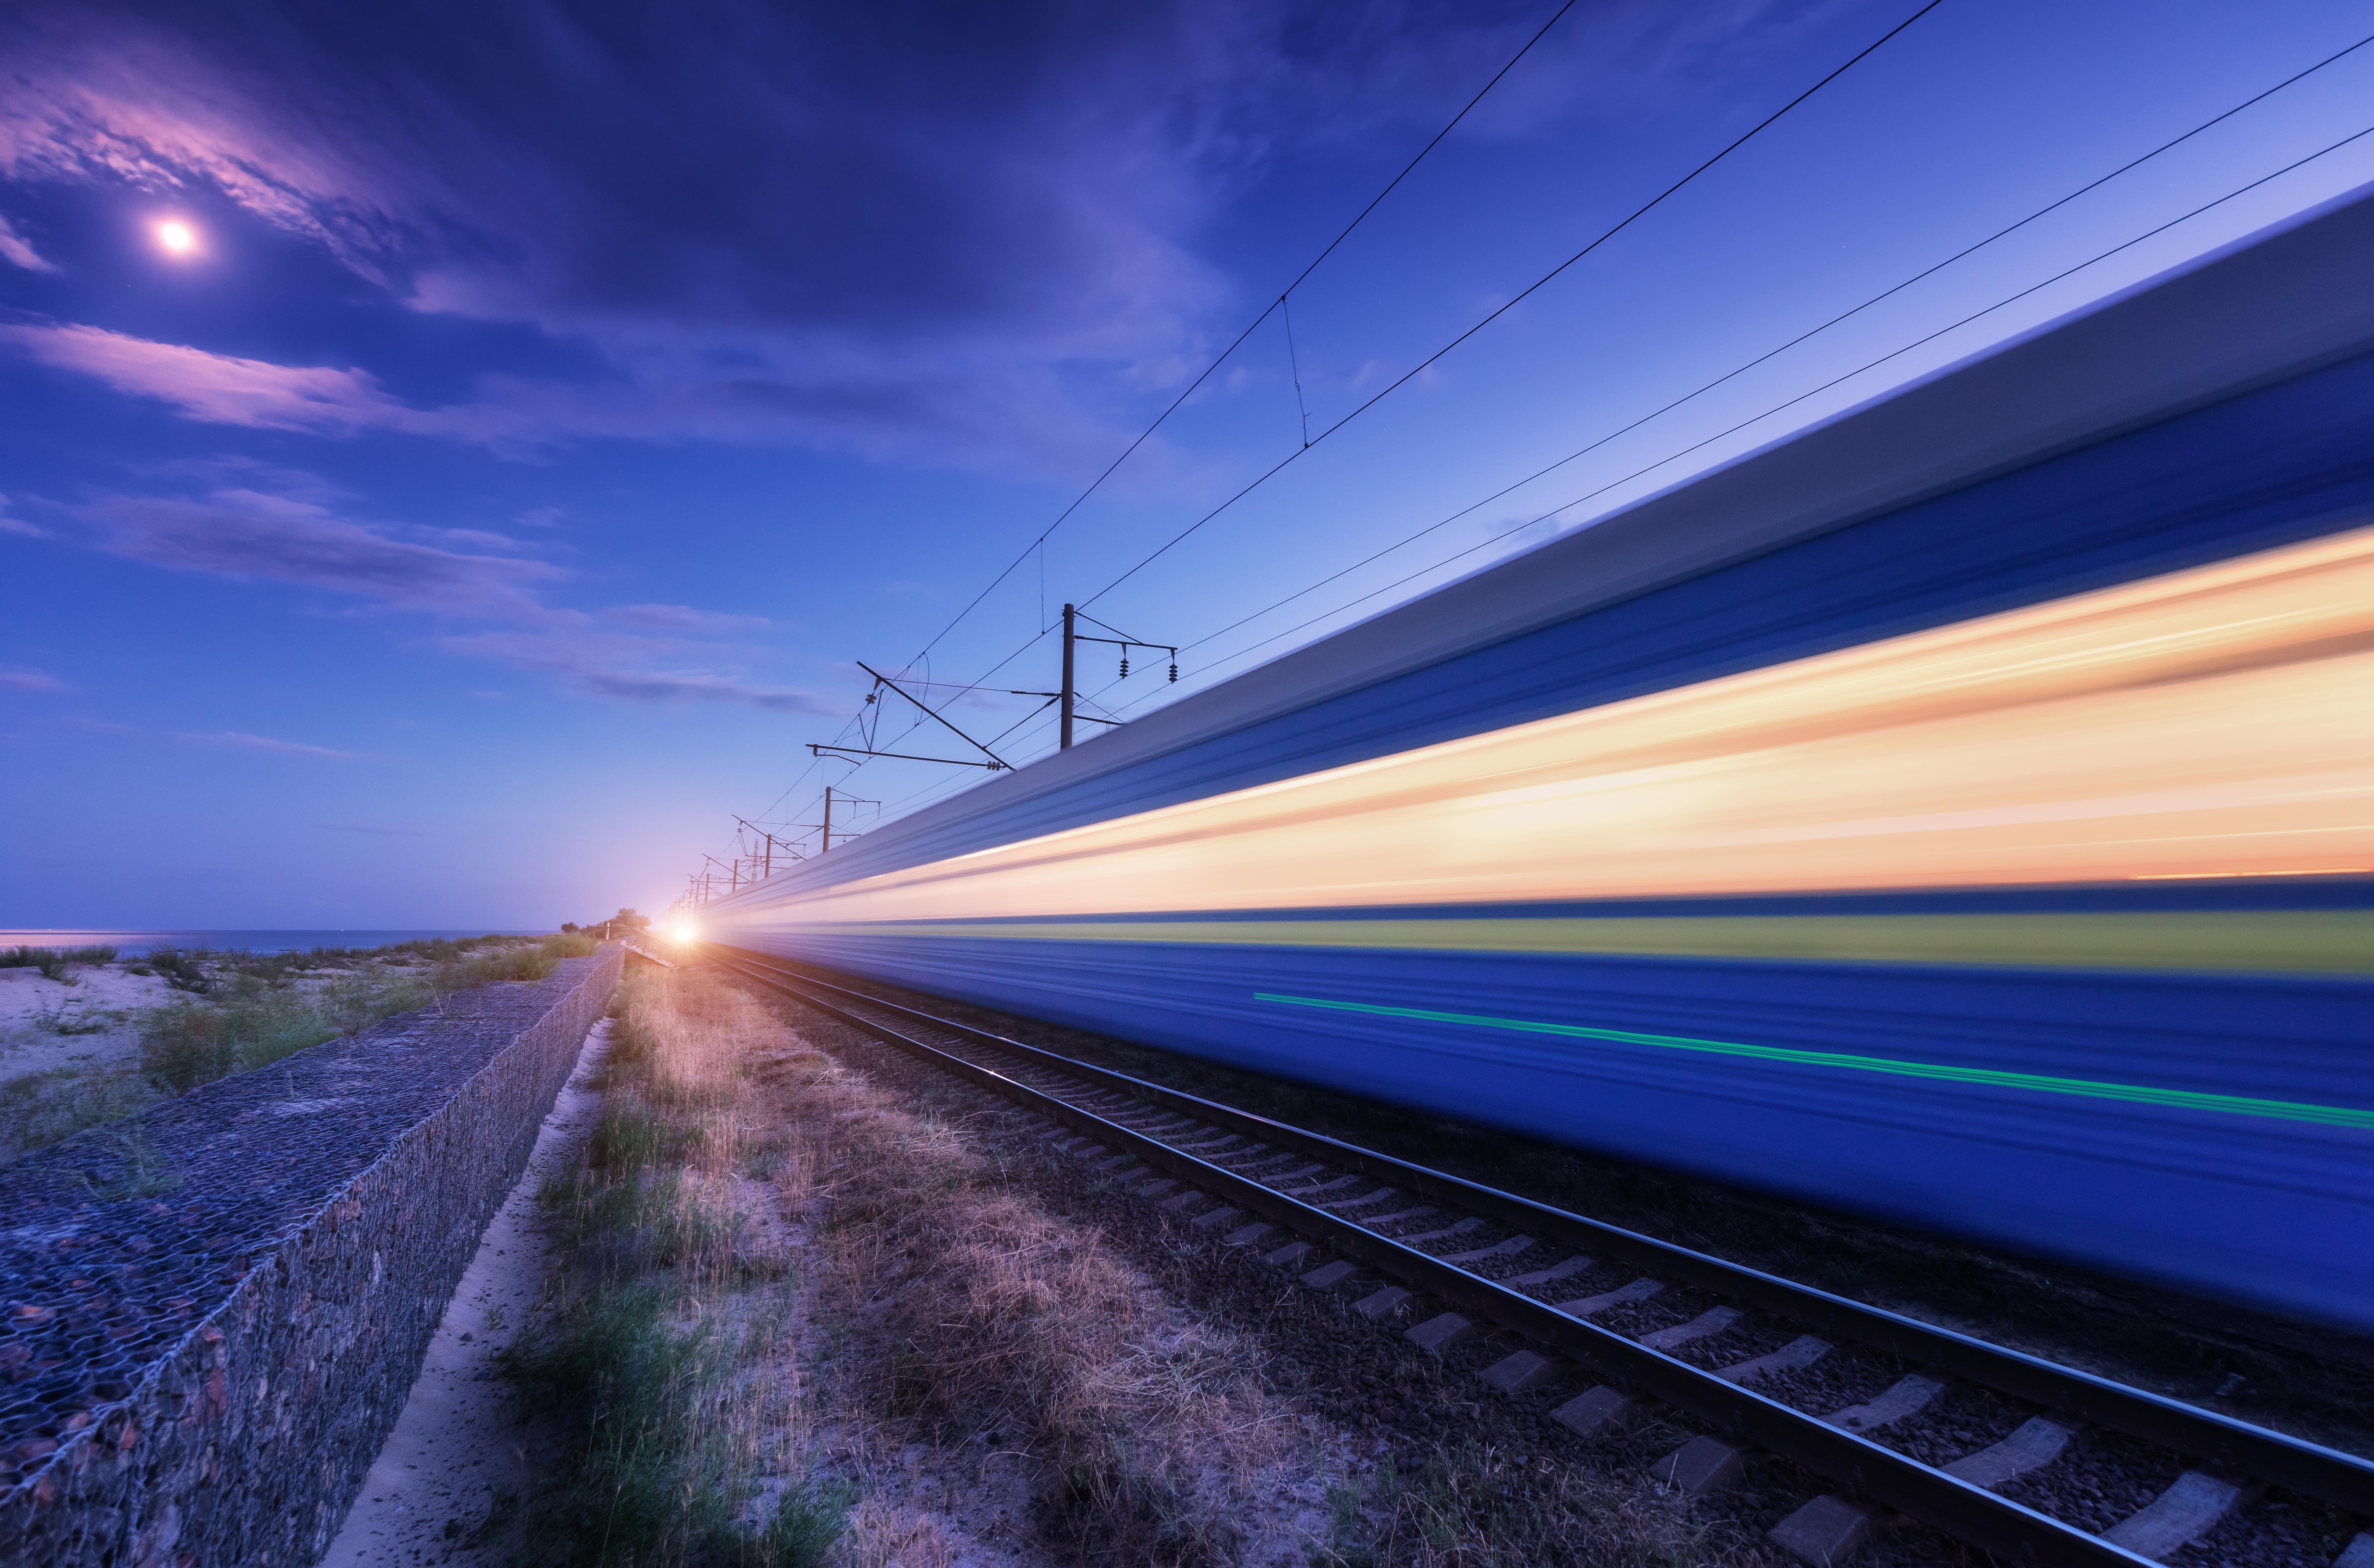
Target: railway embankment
{"points": [[215, 1309]]}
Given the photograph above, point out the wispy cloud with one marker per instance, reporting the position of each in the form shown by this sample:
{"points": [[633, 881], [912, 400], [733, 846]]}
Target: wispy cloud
{"points": [[21, 680], [18, 525], [247, 533], [683, 618], [19, 250], [373, 829], [222, 389], [633, 669], [245, 741]]}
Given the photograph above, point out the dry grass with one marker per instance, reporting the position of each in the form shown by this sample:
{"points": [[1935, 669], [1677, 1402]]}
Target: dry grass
{"points": [[801, 1323], [977, 1321]]}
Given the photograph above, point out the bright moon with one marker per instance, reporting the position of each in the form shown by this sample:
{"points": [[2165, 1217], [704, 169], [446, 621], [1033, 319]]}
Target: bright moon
{"points": [[177, 237]]}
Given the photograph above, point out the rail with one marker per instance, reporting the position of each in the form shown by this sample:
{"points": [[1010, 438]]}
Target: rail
{"points": [[1963, 1510]]}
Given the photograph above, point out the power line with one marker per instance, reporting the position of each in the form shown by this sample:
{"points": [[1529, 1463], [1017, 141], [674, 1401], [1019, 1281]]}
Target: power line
{"points": [[1776, 408], [1254, 326], [1538, 284], [1773, 353]]}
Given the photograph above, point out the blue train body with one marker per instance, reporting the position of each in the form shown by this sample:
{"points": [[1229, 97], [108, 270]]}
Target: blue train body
{"points": [[2077, 982]]}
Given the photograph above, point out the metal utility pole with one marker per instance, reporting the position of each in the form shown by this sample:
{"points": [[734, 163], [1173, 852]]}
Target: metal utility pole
{"points": [[1070, 697], [1065, 685], [772, 843], [847, 799]]}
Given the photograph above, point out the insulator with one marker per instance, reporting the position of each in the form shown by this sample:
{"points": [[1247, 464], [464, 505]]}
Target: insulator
{"points": [[1174, 673], [1124, 666]]}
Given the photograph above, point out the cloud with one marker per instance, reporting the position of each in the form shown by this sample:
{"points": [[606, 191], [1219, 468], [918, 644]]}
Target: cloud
{"points": [[222, 390], [635, 669], [18, 525], [14, 248], [283, 748], [245, 534], [375, 831], [683, 618], [30, 680], [899, 228]]}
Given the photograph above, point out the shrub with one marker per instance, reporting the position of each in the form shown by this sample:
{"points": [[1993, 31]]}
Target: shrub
{"points": [[184, 1045], [180, 969]]}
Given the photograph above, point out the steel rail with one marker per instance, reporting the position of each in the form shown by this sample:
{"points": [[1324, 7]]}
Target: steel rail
{"points": [[1968, 1513], [2342, 1479]]}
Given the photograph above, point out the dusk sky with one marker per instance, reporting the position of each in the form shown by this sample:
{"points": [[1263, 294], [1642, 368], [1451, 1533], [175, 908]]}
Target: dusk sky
{"points": [[456, 455]]}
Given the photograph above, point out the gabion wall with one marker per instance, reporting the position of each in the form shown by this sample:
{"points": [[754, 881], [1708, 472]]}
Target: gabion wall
{"points": [[215, 1312]]}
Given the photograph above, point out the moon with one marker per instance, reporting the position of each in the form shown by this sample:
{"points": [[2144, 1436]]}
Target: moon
{"points": [[178, 238]]}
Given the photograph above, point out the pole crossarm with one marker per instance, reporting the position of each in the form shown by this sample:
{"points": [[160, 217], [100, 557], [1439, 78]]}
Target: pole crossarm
{"points": [[935, 714], [994, 766]]}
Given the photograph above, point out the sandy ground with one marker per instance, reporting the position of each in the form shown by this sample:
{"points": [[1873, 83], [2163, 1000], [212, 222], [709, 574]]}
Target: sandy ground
{"points": [[459, 1438], [100, 993]]}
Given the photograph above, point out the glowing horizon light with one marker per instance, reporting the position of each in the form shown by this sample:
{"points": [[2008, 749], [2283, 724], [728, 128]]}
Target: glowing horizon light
{"points": [[683, 930], [177, 237]]}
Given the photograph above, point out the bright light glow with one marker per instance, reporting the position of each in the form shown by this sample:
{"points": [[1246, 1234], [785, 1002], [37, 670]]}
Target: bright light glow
{"points": [[178, 238], [683, 930], [2208, 723]]}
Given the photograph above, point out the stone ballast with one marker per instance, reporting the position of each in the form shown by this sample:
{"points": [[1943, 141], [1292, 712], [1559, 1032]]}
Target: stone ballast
{"points": [[215, 1311]]}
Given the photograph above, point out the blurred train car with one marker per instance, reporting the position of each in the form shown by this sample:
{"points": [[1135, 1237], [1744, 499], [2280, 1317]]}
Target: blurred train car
{"points": [[1960, 813]]}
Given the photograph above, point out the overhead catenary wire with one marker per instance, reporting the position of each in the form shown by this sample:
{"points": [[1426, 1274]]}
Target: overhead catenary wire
{"points": [[1776, 408], [1038, 542], [1656, 201], [1782, 349], [1530, 289]]}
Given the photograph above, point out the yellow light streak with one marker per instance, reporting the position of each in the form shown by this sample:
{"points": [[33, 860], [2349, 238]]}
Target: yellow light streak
{"points": [[2210, 722]]}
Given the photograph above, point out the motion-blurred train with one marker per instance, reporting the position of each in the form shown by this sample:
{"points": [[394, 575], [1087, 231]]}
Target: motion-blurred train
{"points": [[1960, 813]]}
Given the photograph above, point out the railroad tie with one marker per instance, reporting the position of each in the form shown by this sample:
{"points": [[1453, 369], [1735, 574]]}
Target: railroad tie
{"points": [[1701, 1467], [1801, 1352], [1306, 1194], [1461, 1229], [1706, 1325], [1440, 1332], [1378, 1303], [2359, 1553], [2188, 1509], [1601, 1410], [1825, 1532], [1381, 1192], [1591, 1306], [1507, 1248], [2038, 1442], [1555, 1271], [1378, 1221], [1905, 1397]]}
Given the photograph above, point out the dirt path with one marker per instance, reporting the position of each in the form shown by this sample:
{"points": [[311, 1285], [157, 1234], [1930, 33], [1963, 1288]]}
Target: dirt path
{"points": [[458, 1444]]}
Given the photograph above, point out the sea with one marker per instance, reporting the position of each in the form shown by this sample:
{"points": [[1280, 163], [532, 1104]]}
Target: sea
{"points": [[131, 942]]}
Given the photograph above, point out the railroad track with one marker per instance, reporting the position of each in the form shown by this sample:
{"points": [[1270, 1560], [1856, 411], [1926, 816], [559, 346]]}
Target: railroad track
{"points": [[1464, 1258]]}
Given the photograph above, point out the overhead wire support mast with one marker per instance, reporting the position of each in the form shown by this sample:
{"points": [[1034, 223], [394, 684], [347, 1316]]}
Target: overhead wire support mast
{"points": [[772, 843], [1069, 696], [996, 763]]}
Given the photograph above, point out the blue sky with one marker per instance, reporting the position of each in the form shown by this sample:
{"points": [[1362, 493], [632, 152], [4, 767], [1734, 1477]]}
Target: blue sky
{"points": [[557, 403]]}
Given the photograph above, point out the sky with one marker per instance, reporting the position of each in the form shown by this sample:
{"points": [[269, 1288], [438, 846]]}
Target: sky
{"points": [[455, 457]]}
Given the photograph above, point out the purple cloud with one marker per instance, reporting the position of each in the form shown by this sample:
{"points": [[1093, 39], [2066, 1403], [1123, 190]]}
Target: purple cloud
{"points": [[16, 248], [283, 748], [683, 618], [877, 228], [630, 669], [30, 680], [249, 533], [224, 390]]}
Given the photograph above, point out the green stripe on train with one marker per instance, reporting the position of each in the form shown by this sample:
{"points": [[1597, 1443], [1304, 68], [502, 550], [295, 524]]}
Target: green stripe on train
{"points": [[2140, 1094]]}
